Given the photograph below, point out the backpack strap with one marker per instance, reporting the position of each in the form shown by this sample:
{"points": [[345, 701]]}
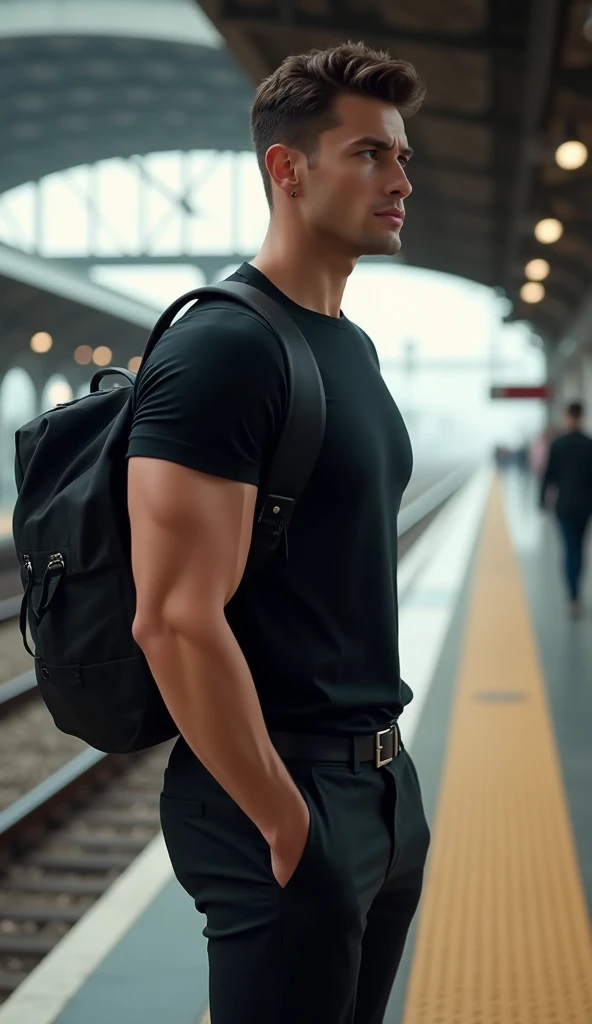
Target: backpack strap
{"points": [[301, 439]]}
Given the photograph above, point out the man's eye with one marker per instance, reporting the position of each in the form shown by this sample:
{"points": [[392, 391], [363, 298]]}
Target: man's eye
{"points": [[373, 153]]}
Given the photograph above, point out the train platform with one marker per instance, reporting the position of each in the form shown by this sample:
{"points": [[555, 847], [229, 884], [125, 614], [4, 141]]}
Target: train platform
{"points": [[500, 732]]}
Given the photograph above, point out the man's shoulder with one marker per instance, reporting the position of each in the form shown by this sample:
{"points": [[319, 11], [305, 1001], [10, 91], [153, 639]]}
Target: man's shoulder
{"points": [[576, 437], [224, 316], [222, 329], [572, 442]]}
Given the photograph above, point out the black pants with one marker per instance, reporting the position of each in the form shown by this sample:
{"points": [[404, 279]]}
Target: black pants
{"points": [[573, 528], [325, 948]]}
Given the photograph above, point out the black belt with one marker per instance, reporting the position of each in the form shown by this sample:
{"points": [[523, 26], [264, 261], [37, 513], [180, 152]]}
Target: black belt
{"points": [[381, 747]]}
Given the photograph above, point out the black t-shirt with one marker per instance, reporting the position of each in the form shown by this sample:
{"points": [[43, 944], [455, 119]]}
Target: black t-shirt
{"points": [[569, 467], [319, 628]]}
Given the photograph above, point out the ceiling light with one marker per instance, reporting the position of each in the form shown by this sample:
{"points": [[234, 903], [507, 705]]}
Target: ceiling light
{"points": [[83, 355], [537, 270], [41, 342], [532, 292], [549, 230], [571, 155], [134, 363], [102, 356]]}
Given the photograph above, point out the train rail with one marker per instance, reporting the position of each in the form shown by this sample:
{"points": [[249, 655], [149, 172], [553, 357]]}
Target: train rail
{"points": [[10, 584], [64, 843], [10, 608], [16, 692]]}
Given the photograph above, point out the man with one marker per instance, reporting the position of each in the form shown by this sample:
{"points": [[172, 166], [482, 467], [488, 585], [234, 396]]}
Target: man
{"points": [[569, 470], [288, 817]]}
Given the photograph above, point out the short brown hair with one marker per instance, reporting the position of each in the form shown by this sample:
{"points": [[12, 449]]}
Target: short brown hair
{"points": [[295, 104], [575, 410]]}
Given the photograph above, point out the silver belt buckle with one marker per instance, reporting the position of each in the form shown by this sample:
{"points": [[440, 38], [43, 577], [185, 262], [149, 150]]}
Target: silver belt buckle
{"points": [[378, 763]]}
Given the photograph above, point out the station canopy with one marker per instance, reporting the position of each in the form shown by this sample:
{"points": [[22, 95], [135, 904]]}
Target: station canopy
{"points": [[508, 82]]}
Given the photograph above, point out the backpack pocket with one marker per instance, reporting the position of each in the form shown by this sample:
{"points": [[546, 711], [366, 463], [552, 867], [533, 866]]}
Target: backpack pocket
{"points": [[109, 705], [76, 617]]}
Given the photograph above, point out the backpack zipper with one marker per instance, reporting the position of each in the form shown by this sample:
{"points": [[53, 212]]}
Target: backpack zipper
{"points": [[28, 564], [56, 559]]}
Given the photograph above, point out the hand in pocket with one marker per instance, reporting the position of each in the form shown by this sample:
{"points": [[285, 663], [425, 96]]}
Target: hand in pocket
{"points": [[289, 845]]}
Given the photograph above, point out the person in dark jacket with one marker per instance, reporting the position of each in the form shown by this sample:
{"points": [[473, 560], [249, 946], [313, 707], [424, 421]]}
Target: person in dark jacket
{"points": [[569, 472]]}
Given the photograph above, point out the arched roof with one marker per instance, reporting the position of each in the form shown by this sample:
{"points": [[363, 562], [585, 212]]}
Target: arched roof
{"points": [[81, 82]]}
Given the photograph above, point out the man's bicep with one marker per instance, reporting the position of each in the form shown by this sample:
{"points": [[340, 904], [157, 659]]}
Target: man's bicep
{"points": [[191, 534]]}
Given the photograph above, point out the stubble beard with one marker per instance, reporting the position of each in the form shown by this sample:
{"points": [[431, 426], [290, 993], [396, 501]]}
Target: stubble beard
{"points": [[381, 246]]}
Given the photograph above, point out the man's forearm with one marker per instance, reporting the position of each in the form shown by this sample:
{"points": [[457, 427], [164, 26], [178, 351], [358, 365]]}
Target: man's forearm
{"points": [[209, 691]]}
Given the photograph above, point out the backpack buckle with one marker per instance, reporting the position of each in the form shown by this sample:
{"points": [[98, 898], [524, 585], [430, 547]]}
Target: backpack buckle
{"points": [[56, 568], [276, 513]]}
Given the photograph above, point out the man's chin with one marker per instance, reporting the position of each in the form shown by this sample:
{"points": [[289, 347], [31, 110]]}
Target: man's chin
{"points": [[386, 246]]}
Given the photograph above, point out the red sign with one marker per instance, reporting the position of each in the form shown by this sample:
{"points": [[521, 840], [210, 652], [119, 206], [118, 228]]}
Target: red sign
{"points": [[502, 391]]}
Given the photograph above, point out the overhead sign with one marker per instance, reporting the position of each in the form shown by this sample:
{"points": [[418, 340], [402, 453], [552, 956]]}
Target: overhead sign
{"points": [[521, 391]]}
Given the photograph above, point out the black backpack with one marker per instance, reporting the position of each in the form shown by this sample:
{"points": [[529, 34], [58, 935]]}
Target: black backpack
{"points": [[72, 536]]}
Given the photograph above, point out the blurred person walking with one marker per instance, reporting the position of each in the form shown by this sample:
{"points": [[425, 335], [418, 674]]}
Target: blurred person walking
{"points": [[569, 473], [538, 454], [291, 811]]}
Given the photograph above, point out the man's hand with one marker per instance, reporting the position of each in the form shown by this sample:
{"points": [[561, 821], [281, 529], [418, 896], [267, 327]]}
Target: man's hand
{"points": [[288, 844]]}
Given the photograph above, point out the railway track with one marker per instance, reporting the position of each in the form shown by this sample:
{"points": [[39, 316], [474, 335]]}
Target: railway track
{"points": [[10, 578], [10, 583], [17, 691], [10, 608], [63, 842]]}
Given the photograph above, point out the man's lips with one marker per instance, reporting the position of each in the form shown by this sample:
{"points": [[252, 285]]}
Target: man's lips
{"points": [[393, 216]]}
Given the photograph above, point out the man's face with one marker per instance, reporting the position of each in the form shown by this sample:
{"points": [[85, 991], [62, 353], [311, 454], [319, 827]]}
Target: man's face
{"points": [[356, 187], [572, 422]]}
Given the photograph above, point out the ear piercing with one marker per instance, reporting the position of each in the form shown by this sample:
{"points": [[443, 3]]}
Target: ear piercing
{"points": [[293, 194]]}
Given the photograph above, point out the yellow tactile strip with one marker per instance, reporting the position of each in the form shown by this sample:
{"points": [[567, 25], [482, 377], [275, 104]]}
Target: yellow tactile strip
{"points": [[503, 935]]}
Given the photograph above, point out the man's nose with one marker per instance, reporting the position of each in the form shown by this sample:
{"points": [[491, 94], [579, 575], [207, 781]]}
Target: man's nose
{"points": [[401, 186]]}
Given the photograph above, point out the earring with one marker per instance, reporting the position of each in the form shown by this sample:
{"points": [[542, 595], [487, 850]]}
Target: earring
{"points": [[293, 194]]}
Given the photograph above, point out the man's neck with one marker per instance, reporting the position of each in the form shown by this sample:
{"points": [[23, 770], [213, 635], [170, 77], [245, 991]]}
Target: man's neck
{"points": [[314, 279]]}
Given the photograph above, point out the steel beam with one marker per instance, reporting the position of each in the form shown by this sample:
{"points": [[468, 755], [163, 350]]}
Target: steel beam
{"points": [[576, 80], [205, 262], [480, 118], [245, 51], [540, 57], [283, 15], [575, 186], [429, 164]]}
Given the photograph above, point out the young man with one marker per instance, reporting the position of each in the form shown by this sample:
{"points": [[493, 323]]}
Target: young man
{"points": [[291, 813], [569, 470]]}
